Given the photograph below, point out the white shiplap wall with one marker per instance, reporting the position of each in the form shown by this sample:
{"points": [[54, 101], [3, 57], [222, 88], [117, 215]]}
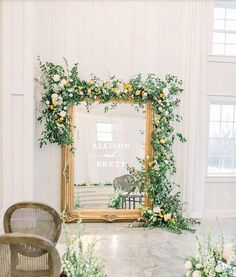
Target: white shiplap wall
{"points": [[17, 106], [126, 38], [121, 37]]}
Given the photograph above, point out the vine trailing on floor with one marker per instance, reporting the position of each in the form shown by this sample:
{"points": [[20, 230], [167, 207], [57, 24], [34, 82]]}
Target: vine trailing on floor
{"points": [[63, 88]]}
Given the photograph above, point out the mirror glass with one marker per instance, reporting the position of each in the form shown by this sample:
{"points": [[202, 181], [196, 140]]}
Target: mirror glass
{"points": [[108, 140]]}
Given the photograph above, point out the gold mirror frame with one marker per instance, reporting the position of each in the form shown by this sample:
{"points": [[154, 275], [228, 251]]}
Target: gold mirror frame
{"points": [[67, 187]]}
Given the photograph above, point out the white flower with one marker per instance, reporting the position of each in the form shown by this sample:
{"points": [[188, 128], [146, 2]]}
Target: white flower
{"points": [[62, 83], [188, 265], [98, 83], [166, 113], [196, 273], [198, 266], [156, 210], [65, 108], [120, 87], [62, 113], [165, 91], [145, 94], [218, 269], [56, 78], [47, 102], [188, 273], [54, 96], [71, 94], [55, 87]]}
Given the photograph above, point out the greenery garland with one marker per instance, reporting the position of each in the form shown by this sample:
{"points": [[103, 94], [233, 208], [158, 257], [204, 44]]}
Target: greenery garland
{"points": [[63, 89]]}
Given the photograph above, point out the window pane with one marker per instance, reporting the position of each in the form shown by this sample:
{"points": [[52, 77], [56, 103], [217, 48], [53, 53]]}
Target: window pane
{"points": [[227, 146], [222, 139], [214, 130], [230, 25], [219, 37], [234, 165], [219, 24], [213, 164], [214, 147], [104, 136], [230, 49], [226, 129], [103, 127], [231, 38], [218, 49], [227, 113], [231, 14], [234, 132], [226, 163], [215, 112], [219, 13]]}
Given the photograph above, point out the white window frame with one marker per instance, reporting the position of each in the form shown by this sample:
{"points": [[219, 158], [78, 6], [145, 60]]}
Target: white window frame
{"points": [[230, 178], [222, 4]]}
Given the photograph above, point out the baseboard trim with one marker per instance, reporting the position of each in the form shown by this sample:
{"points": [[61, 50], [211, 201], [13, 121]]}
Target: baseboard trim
{"points": [[220, 214], [196, 215]]}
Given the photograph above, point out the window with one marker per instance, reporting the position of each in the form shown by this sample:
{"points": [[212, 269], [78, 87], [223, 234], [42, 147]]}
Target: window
{"points": [[224, 34], [222, 139], [104, 131]]}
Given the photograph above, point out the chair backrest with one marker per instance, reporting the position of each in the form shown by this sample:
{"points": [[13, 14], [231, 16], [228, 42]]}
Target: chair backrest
{"points": [[125, 183], [33, 218], [14, 264]]}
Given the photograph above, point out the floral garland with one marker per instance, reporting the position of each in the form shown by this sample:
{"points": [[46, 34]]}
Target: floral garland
{"points": [[63, 89]]}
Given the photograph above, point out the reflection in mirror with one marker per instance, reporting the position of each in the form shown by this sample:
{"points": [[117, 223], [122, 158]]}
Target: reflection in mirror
{"points": [[106, 143]]}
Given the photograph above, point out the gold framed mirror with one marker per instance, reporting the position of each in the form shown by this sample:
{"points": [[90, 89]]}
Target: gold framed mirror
{"points": [[109, 138]]}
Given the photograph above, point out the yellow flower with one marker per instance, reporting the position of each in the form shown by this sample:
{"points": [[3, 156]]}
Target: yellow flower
{"points": [[167, 217], [125, 86], [160, 215], [106, 86], [115, 89], [96, 90], [88, 91], [138, 92], [128, 87], [90, 82], [163, 140], [52, 107], [150, 164], [80, 87], [54, 102], [61, 119], [162, 95]]}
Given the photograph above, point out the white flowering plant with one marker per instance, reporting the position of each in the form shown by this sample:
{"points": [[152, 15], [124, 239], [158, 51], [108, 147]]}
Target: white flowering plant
{"points": [[208, 260], [63, 88], [79, 260]]}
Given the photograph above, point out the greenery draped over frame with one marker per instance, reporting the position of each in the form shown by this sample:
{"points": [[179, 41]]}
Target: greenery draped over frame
{"points": [[63, 88]]}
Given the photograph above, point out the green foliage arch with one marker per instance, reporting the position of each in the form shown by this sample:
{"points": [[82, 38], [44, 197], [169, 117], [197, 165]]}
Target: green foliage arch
{"points": [[63, 88]]}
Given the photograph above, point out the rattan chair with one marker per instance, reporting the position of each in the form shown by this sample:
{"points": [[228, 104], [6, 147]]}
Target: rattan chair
{"points": [[23, 255], [33, 218]]}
